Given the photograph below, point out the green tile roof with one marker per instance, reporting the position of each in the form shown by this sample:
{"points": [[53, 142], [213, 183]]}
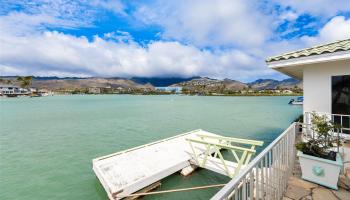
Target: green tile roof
{"points": [[341, 45]]}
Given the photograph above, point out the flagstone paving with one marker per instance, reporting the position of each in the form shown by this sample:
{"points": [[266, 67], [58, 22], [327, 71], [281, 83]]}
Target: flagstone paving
{"points": [[299, 189]]}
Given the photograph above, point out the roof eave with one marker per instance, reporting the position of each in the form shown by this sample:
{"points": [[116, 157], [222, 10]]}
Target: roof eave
{"points": [[295, 64]]}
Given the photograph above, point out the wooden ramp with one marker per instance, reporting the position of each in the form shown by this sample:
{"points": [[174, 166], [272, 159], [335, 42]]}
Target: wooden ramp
{"points": [[126, 172]]}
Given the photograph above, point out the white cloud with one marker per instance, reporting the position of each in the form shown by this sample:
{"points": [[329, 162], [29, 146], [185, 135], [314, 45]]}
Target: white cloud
{"points": [[324, 8], [5, 70], [19, 23], [289, 16], [115, 6], [222, 39], [39, 15], [208, 23], [29, 48], [338, 28], [58, 53], [119, 36]]}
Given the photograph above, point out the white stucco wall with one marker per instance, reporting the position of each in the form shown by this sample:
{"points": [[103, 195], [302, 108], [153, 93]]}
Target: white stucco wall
{"points": [[317, 84]]}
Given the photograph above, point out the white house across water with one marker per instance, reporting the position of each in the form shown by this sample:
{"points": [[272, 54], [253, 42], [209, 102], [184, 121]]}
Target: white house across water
{"points": [[12, 90]]}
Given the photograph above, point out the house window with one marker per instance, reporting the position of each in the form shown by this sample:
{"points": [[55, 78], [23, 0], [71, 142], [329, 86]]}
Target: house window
{"points": [[341, 95], [341, 100]]}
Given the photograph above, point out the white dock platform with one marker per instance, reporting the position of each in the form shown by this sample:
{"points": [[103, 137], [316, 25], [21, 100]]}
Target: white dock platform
{"points": [[126, 172]]}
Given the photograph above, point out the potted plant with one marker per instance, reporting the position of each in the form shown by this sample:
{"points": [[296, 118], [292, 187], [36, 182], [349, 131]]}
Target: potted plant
{"points": [[318, 160]]}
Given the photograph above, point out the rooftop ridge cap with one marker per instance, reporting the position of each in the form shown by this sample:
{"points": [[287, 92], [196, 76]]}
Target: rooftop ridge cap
{"points": [[269, 59]]}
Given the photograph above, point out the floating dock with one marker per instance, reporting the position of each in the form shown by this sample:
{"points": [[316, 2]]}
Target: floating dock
{"points": [[126, 172]]}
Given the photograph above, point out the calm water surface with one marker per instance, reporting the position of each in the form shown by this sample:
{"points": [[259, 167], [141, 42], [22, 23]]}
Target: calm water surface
{"points": [[47, 144]]}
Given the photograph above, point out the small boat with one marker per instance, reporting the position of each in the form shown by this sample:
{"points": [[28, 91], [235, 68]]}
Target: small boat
{"points": [[297, 101]]}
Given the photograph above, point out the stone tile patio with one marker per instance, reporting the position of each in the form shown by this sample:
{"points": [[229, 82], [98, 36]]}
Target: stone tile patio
{"points": [[299, 189]]}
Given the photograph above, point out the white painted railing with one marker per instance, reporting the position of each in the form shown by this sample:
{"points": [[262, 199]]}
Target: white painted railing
{"points": [[266, 176], [342, 120]]}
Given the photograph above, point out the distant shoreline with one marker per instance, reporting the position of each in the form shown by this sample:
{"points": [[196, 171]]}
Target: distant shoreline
{"points": [[180, 94], [216, 95]]}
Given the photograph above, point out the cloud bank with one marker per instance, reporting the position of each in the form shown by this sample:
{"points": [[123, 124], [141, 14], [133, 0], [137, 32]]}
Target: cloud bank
{"points": [[228, 39], [57, 53]]}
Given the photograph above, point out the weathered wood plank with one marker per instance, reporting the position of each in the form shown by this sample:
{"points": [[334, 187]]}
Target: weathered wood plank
{"points": [[126, 172]]}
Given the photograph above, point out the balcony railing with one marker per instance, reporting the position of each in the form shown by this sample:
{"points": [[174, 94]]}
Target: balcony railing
{"points": [[342, 120], [266, 176]]}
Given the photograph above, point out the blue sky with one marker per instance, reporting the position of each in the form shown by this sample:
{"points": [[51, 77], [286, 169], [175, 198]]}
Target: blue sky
{"points": [[115, 38]]}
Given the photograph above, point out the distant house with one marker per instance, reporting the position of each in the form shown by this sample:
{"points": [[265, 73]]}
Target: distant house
{"points": [[106, 90], [8, 89], [94, 90], [32, 90], [12, 90], [44, 92], [287, 92], [170, 89]]}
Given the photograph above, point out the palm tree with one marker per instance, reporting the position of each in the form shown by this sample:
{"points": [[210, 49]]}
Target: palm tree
{"points": [[25, 81]]}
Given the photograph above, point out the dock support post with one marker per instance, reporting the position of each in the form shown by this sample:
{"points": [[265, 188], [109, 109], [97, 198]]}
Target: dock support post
{"points": [[188, 170]]}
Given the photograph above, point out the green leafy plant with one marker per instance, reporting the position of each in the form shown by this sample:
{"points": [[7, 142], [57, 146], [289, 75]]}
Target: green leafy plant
{"points": [[323, 139]]}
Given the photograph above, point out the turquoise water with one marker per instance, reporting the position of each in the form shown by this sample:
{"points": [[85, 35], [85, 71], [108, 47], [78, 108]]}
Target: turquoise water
{"points": [[47, 144]]}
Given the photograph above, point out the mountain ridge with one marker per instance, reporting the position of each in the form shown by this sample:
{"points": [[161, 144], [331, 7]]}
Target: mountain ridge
{"points": [[259, 84], [54, 82]]}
